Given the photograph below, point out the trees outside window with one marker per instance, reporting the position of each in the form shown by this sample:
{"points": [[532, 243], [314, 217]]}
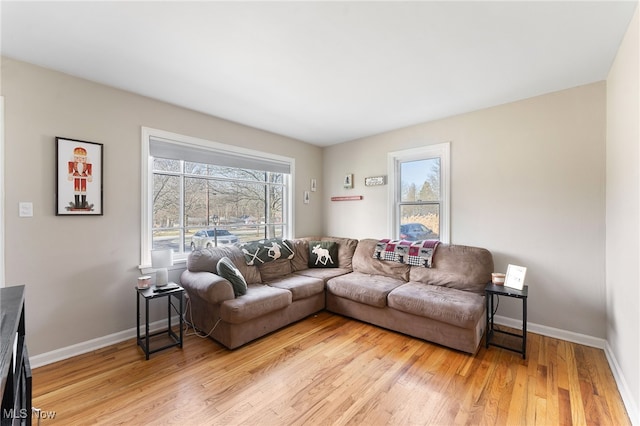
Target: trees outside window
{"points": [[237, 203]]}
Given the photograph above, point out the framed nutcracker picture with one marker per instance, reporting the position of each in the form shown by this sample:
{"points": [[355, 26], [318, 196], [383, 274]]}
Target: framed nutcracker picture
{"points": [[78, 177]]}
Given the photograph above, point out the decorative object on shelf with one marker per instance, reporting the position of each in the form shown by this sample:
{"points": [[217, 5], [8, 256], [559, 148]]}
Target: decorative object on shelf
{"points": [[144, 281], [78, 177], [348, 181], [314, 185], [306, 197], [347, 198], [375, 180], [515, 277], [497, 278], [160, 261]]}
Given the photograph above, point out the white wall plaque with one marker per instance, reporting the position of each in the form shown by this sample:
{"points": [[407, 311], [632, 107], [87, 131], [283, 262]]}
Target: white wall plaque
{"points": [[375, 180]]}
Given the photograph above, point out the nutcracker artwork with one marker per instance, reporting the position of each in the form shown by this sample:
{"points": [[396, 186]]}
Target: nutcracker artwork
{"points": [[80, 175], [78, 178]]}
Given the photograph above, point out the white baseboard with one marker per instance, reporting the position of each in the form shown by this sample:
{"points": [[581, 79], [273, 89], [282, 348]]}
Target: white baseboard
{"points": [[582, 339], [623, 387], [556, 333], [93, 344]]}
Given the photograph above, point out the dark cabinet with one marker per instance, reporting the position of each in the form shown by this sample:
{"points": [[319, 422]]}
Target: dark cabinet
{"points": [[14, 364]]}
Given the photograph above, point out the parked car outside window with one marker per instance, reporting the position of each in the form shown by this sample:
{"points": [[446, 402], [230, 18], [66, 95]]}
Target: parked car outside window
{"points": [[206, 238], [416, 231]]}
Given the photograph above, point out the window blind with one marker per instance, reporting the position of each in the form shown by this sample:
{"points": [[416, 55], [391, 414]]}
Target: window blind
{"points": [[174, 150]]}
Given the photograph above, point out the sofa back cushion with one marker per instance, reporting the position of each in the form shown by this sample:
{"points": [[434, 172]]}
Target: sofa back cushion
{"points": [[364, 262], [346, 250], [300, 254], [270, 271], [457, 266], [206, 260]]}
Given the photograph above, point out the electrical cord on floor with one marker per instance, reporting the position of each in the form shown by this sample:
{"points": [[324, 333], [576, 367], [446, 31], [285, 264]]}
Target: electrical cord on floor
{"points": [[189, 323], [497, 304]]}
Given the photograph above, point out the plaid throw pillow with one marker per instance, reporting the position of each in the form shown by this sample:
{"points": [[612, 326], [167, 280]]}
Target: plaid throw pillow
{"points": [[415, 253]]}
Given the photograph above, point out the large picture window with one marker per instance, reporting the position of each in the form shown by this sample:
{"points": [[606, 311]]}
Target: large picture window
{"points": [[419, 185], [202, 194]]}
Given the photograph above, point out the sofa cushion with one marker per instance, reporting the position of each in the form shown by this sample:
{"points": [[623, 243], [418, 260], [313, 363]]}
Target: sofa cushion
{"points": [[208, 286], [272, 270], [259, 300], [300, 258], [364, 262], [300, 286], [323, 254], [364, 288], [325, 274], [457, 266], [346, 249], [456, 307], [227, 270], [206, 260]]}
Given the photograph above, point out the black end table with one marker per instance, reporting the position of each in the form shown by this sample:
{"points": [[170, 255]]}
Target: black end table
{"points": [[171, 290], [500, 290]]}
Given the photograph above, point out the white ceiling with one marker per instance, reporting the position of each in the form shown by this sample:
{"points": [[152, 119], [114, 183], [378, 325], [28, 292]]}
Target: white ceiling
{"points": [[323, 72]]}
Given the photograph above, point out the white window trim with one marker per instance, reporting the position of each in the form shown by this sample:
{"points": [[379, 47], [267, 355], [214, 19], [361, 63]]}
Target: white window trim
{"points": [[442, 150], [147, 134]]}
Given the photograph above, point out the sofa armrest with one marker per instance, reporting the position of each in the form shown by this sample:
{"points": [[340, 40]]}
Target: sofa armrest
{"points": [[208, 286]]}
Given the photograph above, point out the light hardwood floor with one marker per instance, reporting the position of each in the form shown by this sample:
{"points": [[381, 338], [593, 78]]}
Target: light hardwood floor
{"points": [[329, 370]]}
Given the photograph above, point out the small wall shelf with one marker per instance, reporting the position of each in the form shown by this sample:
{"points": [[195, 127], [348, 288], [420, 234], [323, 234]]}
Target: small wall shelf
{"points": [[347, 198]]}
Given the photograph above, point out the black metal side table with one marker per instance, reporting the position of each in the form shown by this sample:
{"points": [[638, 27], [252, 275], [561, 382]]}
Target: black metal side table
{"points": [[500, 290], [172, 290]]}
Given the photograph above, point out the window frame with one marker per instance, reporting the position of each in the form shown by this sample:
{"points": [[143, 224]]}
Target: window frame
{"points": [[147, 134], [439, 150]]}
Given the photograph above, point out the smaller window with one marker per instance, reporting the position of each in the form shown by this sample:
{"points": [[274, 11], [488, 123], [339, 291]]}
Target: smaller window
{"points": [[419, 188]]}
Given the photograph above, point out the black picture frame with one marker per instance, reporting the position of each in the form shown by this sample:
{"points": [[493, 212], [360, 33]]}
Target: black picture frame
{"points": [[79, 177]]}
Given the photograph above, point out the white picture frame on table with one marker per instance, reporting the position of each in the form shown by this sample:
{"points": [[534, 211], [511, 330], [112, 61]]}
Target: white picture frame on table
{"points": [[515, 277]]}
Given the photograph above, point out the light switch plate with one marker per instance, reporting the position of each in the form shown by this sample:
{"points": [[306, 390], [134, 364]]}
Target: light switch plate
{"points": [[26, 209]]}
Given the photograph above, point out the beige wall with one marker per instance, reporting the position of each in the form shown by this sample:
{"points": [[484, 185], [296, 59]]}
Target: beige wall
{"points": [[623, 212], [527, 182], [80, 271]]}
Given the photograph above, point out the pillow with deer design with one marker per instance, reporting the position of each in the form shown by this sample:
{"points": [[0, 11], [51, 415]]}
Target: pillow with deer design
{"points": [[323, 254]]}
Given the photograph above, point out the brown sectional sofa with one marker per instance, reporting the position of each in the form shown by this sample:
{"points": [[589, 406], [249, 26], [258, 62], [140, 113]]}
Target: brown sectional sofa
{"points": [[443, 304]]}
